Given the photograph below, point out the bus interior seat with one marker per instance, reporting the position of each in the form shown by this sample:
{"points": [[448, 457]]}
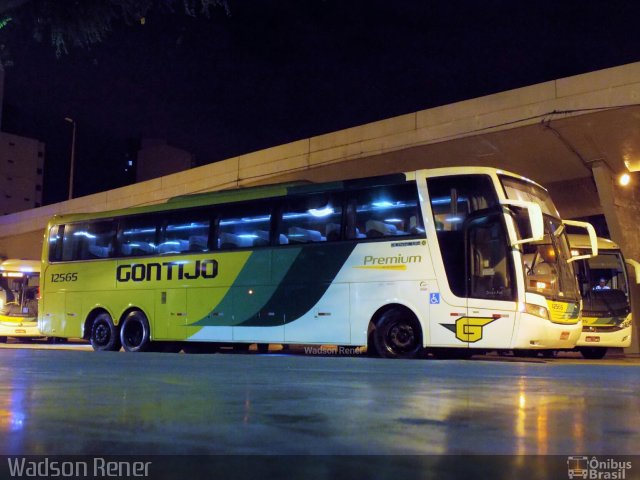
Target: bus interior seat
{"points": [[262, 238], [302, 235], [173, 246], [376, 228], [230, 240], [414, 226], [99, 252], [136, 248], [332, 232], [198, 243], [282, 239]]}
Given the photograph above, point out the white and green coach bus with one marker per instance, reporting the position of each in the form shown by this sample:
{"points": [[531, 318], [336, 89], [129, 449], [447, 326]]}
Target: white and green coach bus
{"points": [[398, 263], [606, 297]]}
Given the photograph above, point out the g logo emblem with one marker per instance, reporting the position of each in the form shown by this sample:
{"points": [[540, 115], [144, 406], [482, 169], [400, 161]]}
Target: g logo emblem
{"points": [[470, 329]]}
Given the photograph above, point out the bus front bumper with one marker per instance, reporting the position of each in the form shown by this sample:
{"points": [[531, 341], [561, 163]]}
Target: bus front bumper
{"points": [[618, 338], [19, 329], [542, 334]]}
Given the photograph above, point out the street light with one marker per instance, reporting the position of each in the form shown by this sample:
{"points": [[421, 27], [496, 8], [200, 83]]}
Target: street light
{"points": [[73, 155]]}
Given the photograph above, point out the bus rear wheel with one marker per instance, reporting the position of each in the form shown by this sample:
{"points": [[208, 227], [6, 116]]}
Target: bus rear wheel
{"points": [[593, 353], [398, 334], [135, 333], [104, 334]]}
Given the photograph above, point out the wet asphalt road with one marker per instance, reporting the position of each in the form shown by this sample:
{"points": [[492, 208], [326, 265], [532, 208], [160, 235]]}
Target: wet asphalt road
{"points": [[73, 401]]}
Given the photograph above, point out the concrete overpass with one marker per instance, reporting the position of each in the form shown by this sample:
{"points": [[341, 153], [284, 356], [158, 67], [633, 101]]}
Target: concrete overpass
{"points": [[574, 135]]}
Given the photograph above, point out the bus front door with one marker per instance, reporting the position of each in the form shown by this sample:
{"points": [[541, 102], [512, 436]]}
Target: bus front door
{"points": [[491, 284]]}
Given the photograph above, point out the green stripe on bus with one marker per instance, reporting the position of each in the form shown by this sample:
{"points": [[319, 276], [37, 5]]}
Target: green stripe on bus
{"points": [[252, 288], [304, 284]]}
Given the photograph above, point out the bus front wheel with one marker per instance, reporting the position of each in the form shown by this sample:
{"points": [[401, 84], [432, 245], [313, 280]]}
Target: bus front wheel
{"points": [[397, 334], [104, 334], [593, 353], [135, 334]]}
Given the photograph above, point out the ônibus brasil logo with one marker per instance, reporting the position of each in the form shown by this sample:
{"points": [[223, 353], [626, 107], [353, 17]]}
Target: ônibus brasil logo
{"points": [[595, 468]]}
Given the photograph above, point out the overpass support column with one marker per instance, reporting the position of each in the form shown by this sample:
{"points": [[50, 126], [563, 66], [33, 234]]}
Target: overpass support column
{"points": [[621, 208]]}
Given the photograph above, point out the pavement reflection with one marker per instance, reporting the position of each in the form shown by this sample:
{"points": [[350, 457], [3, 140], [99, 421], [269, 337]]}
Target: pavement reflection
{"points": [[72, 402]]}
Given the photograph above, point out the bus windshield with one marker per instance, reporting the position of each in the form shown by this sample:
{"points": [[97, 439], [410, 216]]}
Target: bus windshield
{"points": [[604, 285], [18, 290], [546, 261]]}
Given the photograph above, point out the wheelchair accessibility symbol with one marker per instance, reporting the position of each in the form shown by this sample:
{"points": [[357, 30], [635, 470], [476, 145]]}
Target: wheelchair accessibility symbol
{"points": [[434, 298]]}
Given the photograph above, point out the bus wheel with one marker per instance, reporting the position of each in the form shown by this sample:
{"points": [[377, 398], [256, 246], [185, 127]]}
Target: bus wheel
{"points": [[135, 333], [199, 347], [398, 334], [593, 353], [104, 334]]}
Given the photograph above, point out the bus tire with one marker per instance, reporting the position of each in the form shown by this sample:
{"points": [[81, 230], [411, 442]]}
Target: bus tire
{"points": [[398, 334], [593, 353], [135, 333], [104, 334], [199, 347]]}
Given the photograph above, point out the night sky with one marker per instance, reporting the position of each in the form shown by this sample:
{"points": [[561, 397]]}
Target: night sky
{"points": [[278, 71]]}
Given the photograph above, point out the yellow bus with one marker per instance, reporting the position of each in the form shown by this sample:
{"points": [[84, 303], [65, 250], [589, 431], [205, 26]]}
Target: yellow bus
{"points": [[429, 259], [19, 290], [606, 298]]}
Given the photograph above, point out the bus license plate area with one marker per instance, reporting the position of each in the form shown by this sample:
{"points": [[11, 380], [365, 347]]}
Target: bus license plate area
{"points": [[592, 339]]}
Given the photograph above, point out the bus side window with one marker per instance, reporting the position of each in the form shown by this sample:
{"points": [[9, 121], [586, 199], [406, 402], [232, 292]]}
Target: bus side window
{"points": [[311, 218], [138, 236], [244, 226], [88, 240], [390, 211], [55, 243], [453, 199], [185, 232]]}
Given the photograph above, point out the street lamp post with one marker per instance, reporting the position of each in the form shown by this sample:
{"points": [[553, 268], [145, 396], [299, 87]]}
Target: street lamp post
{"points": [[73, 155]]}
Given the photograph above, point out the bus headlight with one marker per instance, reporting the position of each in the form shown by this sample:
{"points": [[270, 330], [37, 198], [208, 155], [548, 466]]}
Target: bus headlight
{"points": [[626, 323], [536, 310]]}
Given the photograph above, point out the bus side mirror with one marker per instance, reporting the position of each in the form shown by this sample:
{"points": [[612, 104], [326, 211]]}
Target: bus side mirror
{"points": [[636, 268], [535, 220], [593, 239]]}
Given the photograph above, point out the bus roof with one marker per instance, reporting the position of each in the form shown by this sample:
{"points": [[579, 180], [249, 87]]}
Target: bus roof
{"points": [[582, 241], [239, 195], [278, 190], [20, 265]]}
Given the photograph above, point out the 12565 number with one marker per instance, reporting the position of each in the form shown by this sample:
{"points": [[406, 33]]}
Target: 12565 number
{"points": [[64, 277]]}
